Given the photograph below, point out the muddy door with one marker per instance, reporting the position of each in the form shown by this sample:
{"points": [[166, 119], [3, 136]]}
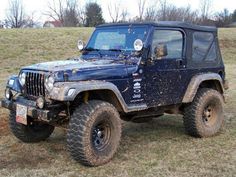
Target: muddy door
{"points": [[165, 70]]}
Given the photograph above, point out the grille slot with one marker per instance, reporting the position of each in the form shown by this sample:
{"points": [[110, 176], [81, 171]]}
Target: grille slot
{"points": [[34, 84]]}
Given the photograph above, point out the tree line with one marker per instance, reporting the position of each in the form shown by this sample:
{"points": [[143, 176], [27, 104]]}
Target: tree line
{"points": [[70, 13]]}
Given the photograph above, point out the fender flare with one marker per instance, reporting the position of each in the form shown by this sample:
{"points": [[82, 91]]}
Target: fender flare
{"points": [[61, 89], [195, 83]]}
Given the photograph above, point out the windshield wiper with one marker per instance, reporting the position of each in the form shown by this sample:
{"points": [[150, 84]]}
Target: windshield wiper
{"points": [[92, 49], [115, 50], [121, 54]]}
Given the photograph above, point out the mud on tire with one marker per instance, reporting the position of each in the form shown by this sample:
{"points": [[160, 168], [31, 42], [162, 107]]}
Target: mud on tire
{"points": [[204, 116], [31, 133], [94, 133]]}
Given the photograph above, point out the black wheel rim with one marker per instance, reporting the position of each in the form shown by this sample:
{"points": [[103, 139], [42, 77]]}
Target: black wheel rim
{"points": [[101, 135], [210, 114]]}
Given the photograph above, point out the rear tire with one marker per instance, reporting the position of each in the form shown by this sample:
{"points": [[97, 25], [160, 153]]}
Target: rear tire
{"points": [[204, 116], [31, 133], [94, 133]]}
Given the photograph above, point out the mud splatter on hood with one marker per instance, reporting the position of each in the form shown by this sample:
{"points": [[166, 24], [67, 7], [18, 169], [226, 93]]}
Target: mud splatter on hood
{"points": [[53, 66], [80, 69]]}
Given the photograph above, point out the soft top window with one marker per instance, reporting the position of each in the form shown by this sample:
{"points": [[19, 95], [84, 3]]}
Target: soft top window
{"points": [[203, 47]]}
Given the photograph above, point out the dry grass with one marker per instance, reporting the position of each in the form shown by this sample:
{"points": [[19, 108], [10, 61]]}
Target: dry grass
{"points": [[157, 148]]}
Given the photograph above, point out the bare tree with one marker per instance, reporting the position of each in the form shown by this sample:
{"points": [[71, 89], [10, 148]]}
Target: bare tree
{"points": [[223, 18], [124, 14], [30, 21], [189, 15], [82, 16], [65, 11], [56, 10], [71, 14], [204, 7], [15, 14], [180, 14], [141, 9], [151, 12], [169, 12], [114, 11], [163, 9]]}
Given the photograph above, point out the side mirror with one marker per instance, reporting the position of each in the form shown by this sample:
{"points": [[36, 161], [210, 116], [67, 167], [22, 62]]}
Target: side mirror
{"points": [[80, 45], [161, 50]]}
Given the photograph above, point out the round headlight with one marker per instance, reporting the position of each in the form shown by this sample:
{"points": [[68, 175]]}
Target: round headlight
{"points": [[49, 82], [8, 94], [22, 79], [40, 102]]}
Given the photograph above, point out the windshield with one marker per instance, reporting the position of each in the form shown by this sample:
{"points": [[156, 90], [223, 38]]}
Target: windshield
{"points": [[116, 38]]}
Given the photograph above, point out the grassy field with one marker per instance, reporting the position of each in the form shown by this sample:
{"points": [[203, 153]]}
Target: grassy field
{"points": [[157, 148]]}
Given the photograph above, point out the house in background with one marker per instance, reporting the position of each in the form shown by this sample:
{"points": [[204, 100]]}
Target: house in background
{"points": [[52, 24]]}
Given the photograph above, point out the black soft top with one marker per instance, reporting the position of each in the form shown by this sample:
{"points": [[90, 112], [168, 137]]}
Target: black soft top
{"points": [[167, 24]]}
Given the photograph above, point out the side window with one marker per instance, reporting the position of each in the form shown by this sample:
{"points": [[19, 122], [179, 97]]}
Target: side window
{"points": [[167, 44], [202, 41]]}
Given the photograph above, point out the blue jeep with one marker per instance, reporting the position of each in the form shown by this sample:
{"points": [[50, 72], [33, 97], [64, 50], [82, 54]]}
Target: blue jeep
{"points": [[133, 72]]}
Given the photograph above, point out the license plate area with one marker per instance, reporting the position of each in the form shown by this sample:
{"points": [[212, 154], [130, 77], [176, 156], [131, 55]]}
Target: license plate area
{"points": [[21, 114]]}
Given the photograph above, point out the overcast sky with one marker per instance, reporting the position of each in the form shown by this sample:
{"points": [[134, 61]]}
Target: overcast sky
{"points": [[40, 6]]}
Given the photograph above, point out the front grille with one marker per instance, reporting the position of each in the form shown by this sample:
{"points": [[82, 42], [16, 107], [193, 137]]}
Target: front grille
{"points": [[35, 84]]}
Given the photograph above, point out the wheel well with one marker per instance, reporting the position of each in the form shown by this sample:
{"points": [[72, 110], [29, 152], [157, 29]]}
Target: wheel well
{"points": [[104, 95], [214, 84]]}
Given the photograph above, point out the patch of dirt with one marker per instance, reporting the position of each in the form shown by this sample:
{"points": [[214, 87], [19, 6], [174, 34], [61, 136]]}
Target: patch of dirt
{"points": [[24, 160], [19, 155], [4, 128]]}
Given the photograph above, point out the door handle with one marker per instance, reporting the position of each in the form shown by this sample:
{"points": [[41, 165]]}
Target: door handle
{"points": [[179, 62]]}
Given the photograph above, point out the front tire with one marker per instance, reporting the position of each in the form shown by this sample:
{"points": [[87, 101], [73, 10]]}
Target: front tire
{"points": [[31, 133], [204, 116], [94, 133]]}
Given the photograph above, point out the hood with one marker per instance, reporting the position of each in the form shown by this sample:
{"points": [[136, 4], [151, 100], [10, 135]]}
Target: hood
{"points": [[84, 70], [53, 66]]}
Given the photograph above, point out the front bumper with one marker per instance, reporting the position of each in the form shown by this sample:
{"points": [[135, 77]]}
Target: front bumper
{"points": [[32, 111]]}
